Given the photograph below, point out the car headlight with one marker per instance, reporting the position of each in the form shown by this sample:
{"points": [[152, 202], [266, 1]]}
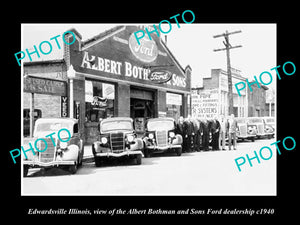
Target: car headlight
{"points": [[172, 134], [63, 145], [104, 140], [130, 138], [151, 136]]}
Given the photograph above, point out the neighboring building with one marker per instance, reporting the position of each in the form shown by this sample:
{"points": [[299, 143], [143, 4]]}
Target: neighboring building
{"points": [[114, 76], [270, 102], [257, 100], [212, 98]]}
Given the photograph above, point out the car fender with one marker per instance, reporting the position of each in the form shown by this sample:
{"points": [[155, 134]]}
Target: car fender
{"points": [[138, 145], [71, 154], [178, 139]]}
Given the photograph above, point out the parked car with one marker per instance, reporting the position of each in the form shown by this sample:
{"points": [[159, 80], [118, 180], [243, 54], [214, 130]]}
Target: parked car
{"points": [[161, 136], [117, 139], [57, 153], [245, 131], [269, 126], [257, 124]]}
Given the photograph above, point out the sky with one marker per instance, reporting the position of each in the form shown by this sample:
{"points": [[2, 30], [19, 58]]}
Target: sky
{"points": [[191, 44]]}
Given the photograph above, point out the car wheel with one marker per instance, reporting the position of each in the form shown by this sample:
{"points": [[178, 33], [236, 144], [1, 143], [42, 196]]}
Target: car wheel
{"points": [[253, 139], [98, 161], [81, 158], [138, 159], [178, 151], [25, 171], [73, 168], [147, 153]]}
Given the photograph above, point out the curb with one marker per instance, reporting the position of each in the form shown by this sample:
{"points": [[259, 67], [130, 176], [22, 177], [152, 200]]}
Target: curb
{"points": [[88, 159]]}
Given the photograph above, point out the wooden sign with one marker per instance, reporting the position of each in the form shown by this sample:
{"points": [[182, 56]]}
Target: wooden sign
{"points": [[45, 86]]}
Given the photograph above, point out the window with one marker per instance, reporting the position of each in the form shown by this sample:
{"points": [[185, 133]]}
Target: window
{"points": [[99, 100], [174, 105], [75, 128]]}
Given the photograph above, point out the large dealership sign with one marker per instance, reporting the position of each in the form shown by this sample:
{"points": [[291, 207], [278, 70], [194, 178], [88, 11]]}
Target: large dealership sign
{"points": [[147, 50], [130, 71]]}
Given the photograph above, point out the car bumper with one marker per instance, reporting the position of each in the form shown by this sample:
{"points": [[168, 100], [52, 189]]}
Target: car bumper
{"points": [[48, 164], [120, 154], [246, 136], [162, 148]]}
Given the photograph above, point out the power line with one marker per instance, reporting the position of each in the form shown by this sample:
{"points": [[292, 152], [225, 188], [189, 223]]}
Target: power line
{"points": [[227, 48]]}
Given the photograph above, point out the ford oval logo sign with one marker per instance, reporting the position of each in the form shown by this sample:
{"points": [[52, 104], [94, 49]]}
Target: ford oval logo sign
{"points": [[146, 51], [160, 76]]}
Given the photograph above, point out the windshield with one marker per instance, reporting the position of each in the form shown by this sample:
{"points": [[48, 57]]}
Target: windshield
{"points": [[255, 120], [116, 125], [160, 125], [270, 120]]}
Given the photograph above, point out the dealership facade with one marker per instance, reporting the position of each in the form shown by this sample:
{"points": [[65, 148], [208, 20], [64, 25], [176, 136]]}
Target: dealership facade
{"points": [[109, 75]]}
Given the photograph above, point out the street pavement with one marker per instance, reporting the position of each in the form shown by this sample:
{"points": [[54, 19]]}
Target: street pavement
{"points": [[196, 173]]}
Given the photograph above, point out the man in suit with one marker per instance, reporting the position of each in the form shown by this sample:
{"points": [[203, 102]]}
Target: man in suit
{"points": [[196, 137], [232, 126], [223, 132], [180, 130], [188, 133], [204, 130], [215, 130]]}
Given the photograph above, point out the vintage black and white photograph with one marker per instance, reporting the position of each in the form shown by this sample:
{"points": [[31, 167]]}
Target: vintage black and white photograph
{"points": [[168, 109]]}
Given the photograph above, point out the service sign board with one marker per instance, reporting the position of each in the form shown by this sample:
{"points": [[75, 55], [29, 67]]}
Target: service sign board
{"points": [[117, 56], [205, 104], [45, 86], [64, 106]]}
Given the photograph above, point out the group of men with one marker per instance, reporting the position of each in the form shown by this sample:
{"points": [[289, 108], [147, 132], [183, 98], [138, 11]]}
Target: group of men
{"points": [[198, 133]]}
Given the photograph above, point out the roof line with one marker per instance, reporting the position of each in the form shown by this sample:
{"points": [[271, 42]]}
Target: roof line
{"points": [[173, 57]]}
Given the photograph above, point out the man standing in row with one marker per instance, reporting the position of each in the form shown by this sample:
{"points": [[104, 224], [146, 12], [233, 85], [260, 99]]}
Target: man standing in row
{"points": [[215, 129], [232, 126]]}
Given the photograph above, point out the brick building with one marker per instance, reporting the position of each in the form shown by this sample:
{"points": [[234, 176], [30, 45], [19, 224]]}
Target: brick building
{"points": [[257, 100], [212, 98], [114, 76]]}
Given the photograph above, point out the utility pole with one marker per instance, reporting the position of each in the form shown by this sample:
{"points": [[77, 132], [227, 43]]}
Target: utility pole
{"points": [[227, 48]]}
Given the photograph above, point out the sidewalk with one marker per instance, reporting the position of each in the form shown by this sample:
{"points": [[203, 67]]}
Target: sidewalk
{"points": [[88, 154]]}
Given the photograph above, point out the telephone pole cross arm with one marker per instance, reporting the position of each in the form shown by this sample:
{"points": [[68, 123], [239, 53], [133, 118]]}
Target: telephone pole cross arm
{"points": [[227, 48]]}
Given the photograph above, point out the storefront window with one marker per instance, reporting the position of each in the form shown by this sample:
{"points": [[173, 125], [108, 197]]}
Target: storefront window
{"points": [[99, 100], [174, 105]]}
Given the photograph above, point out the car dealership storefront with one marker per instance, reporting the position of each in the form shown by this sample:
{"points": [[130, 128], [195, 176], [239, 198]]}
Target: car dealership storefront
{"points": [[114, 76]]}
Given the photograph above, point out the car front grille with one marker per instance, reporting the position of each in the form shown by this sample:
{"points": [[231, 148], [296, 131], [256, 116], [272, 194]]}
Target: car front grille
{"points": [[47, 155], [117, 141], [161, 138], [243, 130], [260, 128]]}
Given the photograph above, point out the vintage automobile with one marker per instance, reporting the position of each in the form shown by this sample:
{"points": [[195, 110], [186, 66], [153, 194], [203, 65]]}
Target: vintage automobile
{"points": [[244, 131], [117, 139], [161, 136], [67, 154], [257, 124], [269, 126]]}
